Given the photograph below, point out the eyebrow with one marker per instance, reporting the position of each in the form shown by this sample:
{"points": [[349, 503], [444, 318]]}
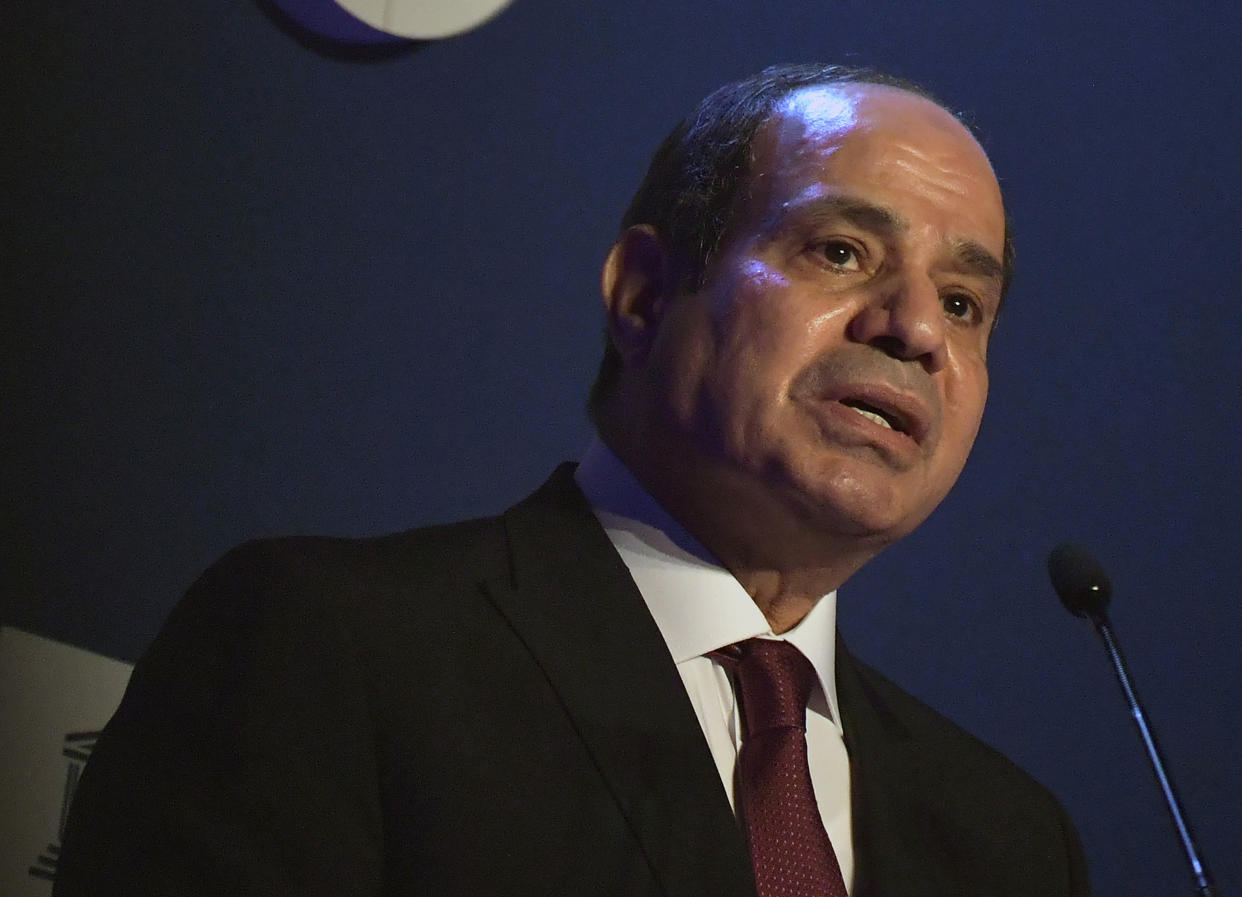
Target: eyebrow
{"points": [[860, 212], [969, 256]]}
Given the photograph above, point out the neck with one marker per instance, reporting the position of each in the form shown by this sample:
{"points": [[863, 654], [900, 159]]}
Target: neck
{"points": [[785, 560]]}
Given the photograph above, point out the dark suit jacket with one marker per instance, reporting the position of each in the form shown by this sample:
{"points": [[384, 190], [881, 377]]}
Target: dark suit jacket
{"points": [[487, 708]]}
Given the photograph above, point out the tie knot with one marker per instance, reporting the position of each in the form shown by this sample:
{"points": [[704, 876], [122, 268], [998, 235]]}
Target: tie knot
{"points": [[775, 680]]}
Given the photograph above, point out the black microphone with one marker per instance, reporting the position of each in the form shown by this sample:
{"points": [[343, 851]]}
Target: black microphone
{"points": [[1083, 587], [1080, 581]]}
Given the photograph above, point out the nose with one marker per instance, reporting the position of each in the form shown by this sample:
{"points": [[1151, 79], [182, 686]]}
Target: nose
{"points": [[905, 319]]}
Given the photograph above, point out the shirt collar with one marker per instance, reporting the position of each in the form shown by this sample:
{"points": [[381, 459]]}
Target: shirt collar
{"points": [[697, 604]]}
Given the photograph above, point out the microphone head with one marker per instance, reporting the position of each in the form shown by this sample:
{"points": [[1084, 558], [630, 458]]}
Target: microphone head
{"points": [[1079, 580]]}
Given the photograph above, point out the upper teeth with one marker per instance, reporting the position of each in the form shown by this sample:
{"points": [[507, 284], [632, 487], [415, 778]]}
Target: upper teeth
{"points": [[872, 416]]}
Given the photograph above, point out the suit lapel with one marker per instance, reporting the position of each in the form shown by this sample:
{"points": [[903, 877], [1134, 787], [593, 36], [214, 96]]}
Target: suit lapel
{"points": [[897, 852], [572, 601]]}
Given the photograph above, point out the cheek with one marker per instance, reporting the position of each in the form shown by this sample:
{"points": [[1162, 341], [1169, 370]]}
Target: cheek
{"points": [[751, 344], [766, 327], [743, 300], [964, 404]]}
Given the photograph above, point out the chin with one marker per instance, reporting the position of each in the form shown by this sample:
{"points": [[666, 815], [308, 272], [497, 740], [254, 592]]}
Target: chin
{"points": [[864, 505]]}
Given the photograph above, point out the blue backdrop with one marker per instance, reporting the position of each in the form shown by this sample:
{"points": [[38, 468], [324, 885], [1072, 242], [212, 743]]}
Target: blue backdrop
{"points": [[254, 288]]}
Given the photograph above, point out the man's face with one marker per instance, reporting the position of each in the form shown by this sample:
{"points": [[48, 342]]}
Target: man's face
{"points": [[836, 355]]}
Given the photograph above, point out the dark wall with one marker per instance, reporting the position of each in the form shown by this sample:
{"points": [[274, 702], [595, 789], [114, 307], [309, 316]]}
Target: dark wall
{"points": [[251, 289]]}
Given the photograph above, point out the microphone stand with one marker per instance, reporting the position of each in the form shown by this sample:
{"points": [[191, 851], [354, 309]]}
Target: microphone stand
{"points": [[1203, 880]]}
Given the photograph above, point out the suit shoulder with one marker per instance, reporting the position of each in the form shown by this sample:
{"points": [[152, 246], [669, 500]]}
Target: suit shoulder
{"points": [[345, 578], [478, 544], [998, 826], [960, 759]]}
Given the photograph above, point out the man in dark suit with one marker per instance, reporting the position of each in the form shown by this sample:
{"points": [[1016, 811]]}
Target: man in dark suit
{"points": [[564, 699]]}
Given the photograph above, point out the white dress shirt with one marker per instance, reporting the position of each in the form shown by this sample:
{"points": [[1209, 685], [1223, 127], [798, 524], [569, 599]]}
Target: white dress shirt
{"points": [[699, 607]]}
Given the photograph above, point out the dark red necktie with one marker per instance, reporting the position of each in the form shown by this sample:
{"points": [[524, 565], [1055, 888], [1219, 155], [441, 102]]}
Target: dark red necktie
{"points": [[789, 848]]}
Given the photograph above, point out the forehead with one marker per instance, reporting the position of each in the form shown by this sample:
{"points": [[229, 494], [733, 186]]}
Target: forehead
{"points": [[881, 145]]}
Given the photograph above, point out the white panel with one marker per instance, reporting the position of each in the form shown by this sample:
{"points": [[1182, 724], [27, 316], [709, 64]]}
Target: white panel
{"points": [[53, 699]]}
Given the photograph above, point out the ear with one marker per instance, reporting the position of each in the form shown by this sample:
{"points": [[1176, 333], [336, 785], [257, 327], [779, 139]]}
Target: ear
{"points": [[637, 284]]}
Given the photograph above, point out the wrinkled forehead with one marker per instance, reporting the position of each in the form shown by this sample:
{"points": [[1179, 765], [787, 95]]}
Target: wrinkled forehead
{"points": [[873, 137]]}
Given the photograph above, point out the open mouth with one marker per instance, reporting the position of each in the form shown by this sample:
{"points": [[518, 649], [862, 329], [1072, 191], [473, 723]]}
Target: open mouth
{"points": [[876, 415]]}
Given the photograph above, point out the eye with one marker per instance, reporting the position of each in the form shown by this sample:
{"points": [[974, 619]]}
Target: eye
{"points": [[960, 305], [841, 254]]}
